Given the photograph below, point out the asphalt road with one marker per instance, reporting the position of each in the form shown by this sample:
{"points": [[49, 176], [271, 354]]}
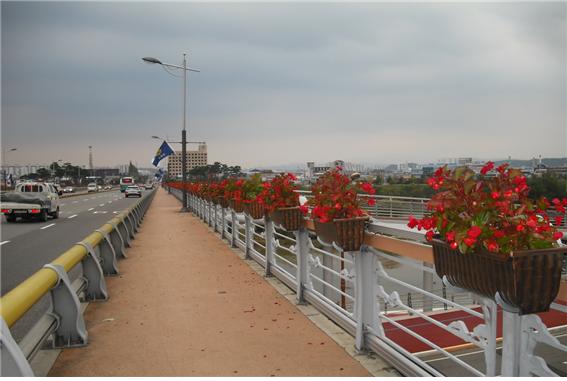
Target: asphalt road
{"points": [[25, 246]]}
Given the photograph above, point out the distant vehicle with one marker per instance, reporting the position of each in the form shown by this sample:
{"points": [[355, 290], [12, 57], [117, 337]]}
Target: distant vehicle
{"points": [[92, 187], [31, 200], [68, 190], [98, 187], [125, 182], [108, 187], [133, 190], [149, 186]]}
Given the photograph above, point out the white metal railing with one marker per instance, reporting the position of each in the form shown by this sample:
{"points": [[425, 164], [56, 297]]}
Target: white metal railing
{"points": [[397, 306]]}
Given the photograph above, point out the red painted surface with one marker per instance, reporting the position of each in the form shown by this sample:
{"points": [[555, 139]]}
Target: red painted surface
{"points": [[445, 339]]}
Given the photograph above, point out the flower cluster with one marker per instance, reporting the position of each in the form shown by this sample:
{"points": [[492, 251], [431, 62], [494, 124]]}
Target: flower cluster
{"points": [[280, 192], [494, 213], [335, 196]]}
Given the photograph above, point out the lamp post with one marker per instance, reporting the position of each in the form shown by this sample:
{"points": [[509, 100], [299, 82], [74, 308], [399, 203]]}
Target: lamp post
{"points": [[4, 164], [185, 69]]}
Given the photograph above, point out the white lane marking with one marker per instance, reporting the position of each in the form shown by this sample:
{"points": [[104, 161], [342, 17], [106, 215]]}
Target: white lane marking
{"points": [[75, 202], [47, 226], [3, 242], [73, 216], [101, 205], [110, 202], [90, 209], [100, 212], [62, 204], [115, 212]]}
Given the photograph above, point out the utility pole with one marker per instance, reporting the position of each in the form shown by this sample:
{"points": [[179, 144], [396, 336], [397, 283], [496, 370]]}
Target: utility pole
{"points": [[91, 160]]}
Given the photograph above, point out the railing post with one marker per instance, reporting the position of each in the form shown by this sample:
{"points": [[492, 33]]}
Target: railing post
{"points": [[511, 339], [71, 330], [366, 309], [427, 285], [223, 223], [391, 208], [270, 245], [210, 213], [302, 253], [233, 228], [216, 217], [248, 237], [14, 363], [93, 274]]}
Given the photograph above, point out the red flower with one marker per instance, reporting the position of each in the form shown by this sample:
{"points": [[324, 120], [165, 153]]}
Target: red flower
{"points": [[558, 220], [474, 232], [469, 241], [495, 195], [501, 169], [492, 246], [304, 209], [429, 235], [371, 202], [487, 168], [413, 222], [450, 236], [520, 228], [454, 245], [557, 235]]}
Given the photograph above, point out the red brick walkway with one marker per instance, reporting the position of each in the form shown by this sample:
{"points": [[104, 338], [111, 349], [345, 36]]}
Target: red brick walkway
{"points": [[186, 305]]}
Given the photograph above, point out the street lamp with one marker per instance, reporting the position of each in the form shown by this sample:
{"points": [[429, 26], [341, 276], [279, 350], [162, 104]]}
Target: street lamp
{"points": [[4, 164], [160, 138], [152, 60]]}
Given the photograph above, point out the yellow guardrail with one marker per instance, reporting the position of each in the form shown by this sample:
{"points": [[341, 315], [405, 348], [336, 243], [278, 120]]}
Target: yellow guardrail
{"points": [[21, 298]]}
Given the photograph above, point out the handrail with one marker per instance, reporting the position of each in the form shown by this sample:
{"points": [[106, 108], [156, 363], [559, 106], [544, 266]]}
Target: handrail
{"points": [[15, 303]]}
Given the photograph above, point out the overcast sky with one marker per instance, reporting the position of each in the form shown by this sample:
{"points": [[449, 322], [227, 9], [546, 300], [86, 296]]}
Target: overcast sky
{"points": [[285, 82]]}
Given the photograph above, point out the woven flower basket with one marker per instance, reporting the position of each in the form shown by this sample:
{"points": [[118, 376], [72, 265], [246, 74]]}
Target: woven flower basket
{"points": [[528, 279], [254, 210], [237, 206], [290, 218], [347, 233]]}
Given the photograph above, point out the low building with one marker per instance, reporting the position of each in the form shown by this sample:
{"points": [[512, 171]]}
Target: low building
{"points": [[194, 159]]}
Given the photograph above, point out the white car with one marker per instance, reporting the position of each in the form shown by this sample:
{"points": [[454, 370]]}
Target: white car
{"points": [[92, 188], [68, 190], [133, 190]]}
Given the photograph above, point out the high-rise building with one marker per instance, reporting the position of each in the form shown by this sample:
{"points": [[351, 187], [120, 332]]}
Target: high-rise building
{"points": [[196, 158]]}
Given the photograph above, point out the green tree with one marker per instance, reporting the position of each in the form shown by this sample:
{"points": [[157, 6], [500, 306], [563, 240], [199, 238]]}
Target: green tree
{"points": [[133, 171]]}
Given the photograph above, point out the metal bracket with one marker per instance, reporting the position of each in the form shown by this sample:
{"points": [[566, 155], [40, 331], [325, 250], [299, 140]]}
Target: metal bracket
{"points": [[534, 331], [117, 241], [107, 254], [93, 274], [14, 363], [133, 226], [124, 232], [65, 307]]}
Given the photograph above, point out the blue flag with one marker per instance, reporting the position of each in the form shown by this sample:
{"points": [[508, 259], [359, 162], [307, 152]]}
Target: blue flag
{"points": [[163, 151]]}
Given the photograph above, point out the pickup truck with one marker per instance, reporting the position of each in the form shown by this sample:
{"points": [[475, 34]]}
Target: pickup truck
{"points": [[31, 200]]}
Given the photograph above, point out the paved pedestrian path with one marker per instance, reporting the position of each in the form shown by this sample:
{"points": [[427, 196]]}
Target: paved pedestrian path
{"points": [[186, 305]]}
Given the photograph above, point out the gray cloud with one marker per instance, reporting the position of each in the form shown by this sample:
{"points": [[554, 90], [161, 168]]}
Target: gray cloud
{"points": [[286, 82]]}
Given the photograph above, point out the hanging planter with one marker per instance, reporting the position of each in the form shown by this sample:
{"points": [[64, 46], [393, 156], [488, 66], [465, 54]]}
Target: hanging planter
{"points": [[254, 210], [347, 233], [528, 279], [490, 237], [236, 205], [291, 218]]}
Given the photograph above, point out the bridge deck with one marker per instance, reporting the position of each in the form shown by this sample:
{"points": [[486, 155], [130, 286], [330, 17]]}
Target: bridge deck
{"points": [[186, 305]]}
